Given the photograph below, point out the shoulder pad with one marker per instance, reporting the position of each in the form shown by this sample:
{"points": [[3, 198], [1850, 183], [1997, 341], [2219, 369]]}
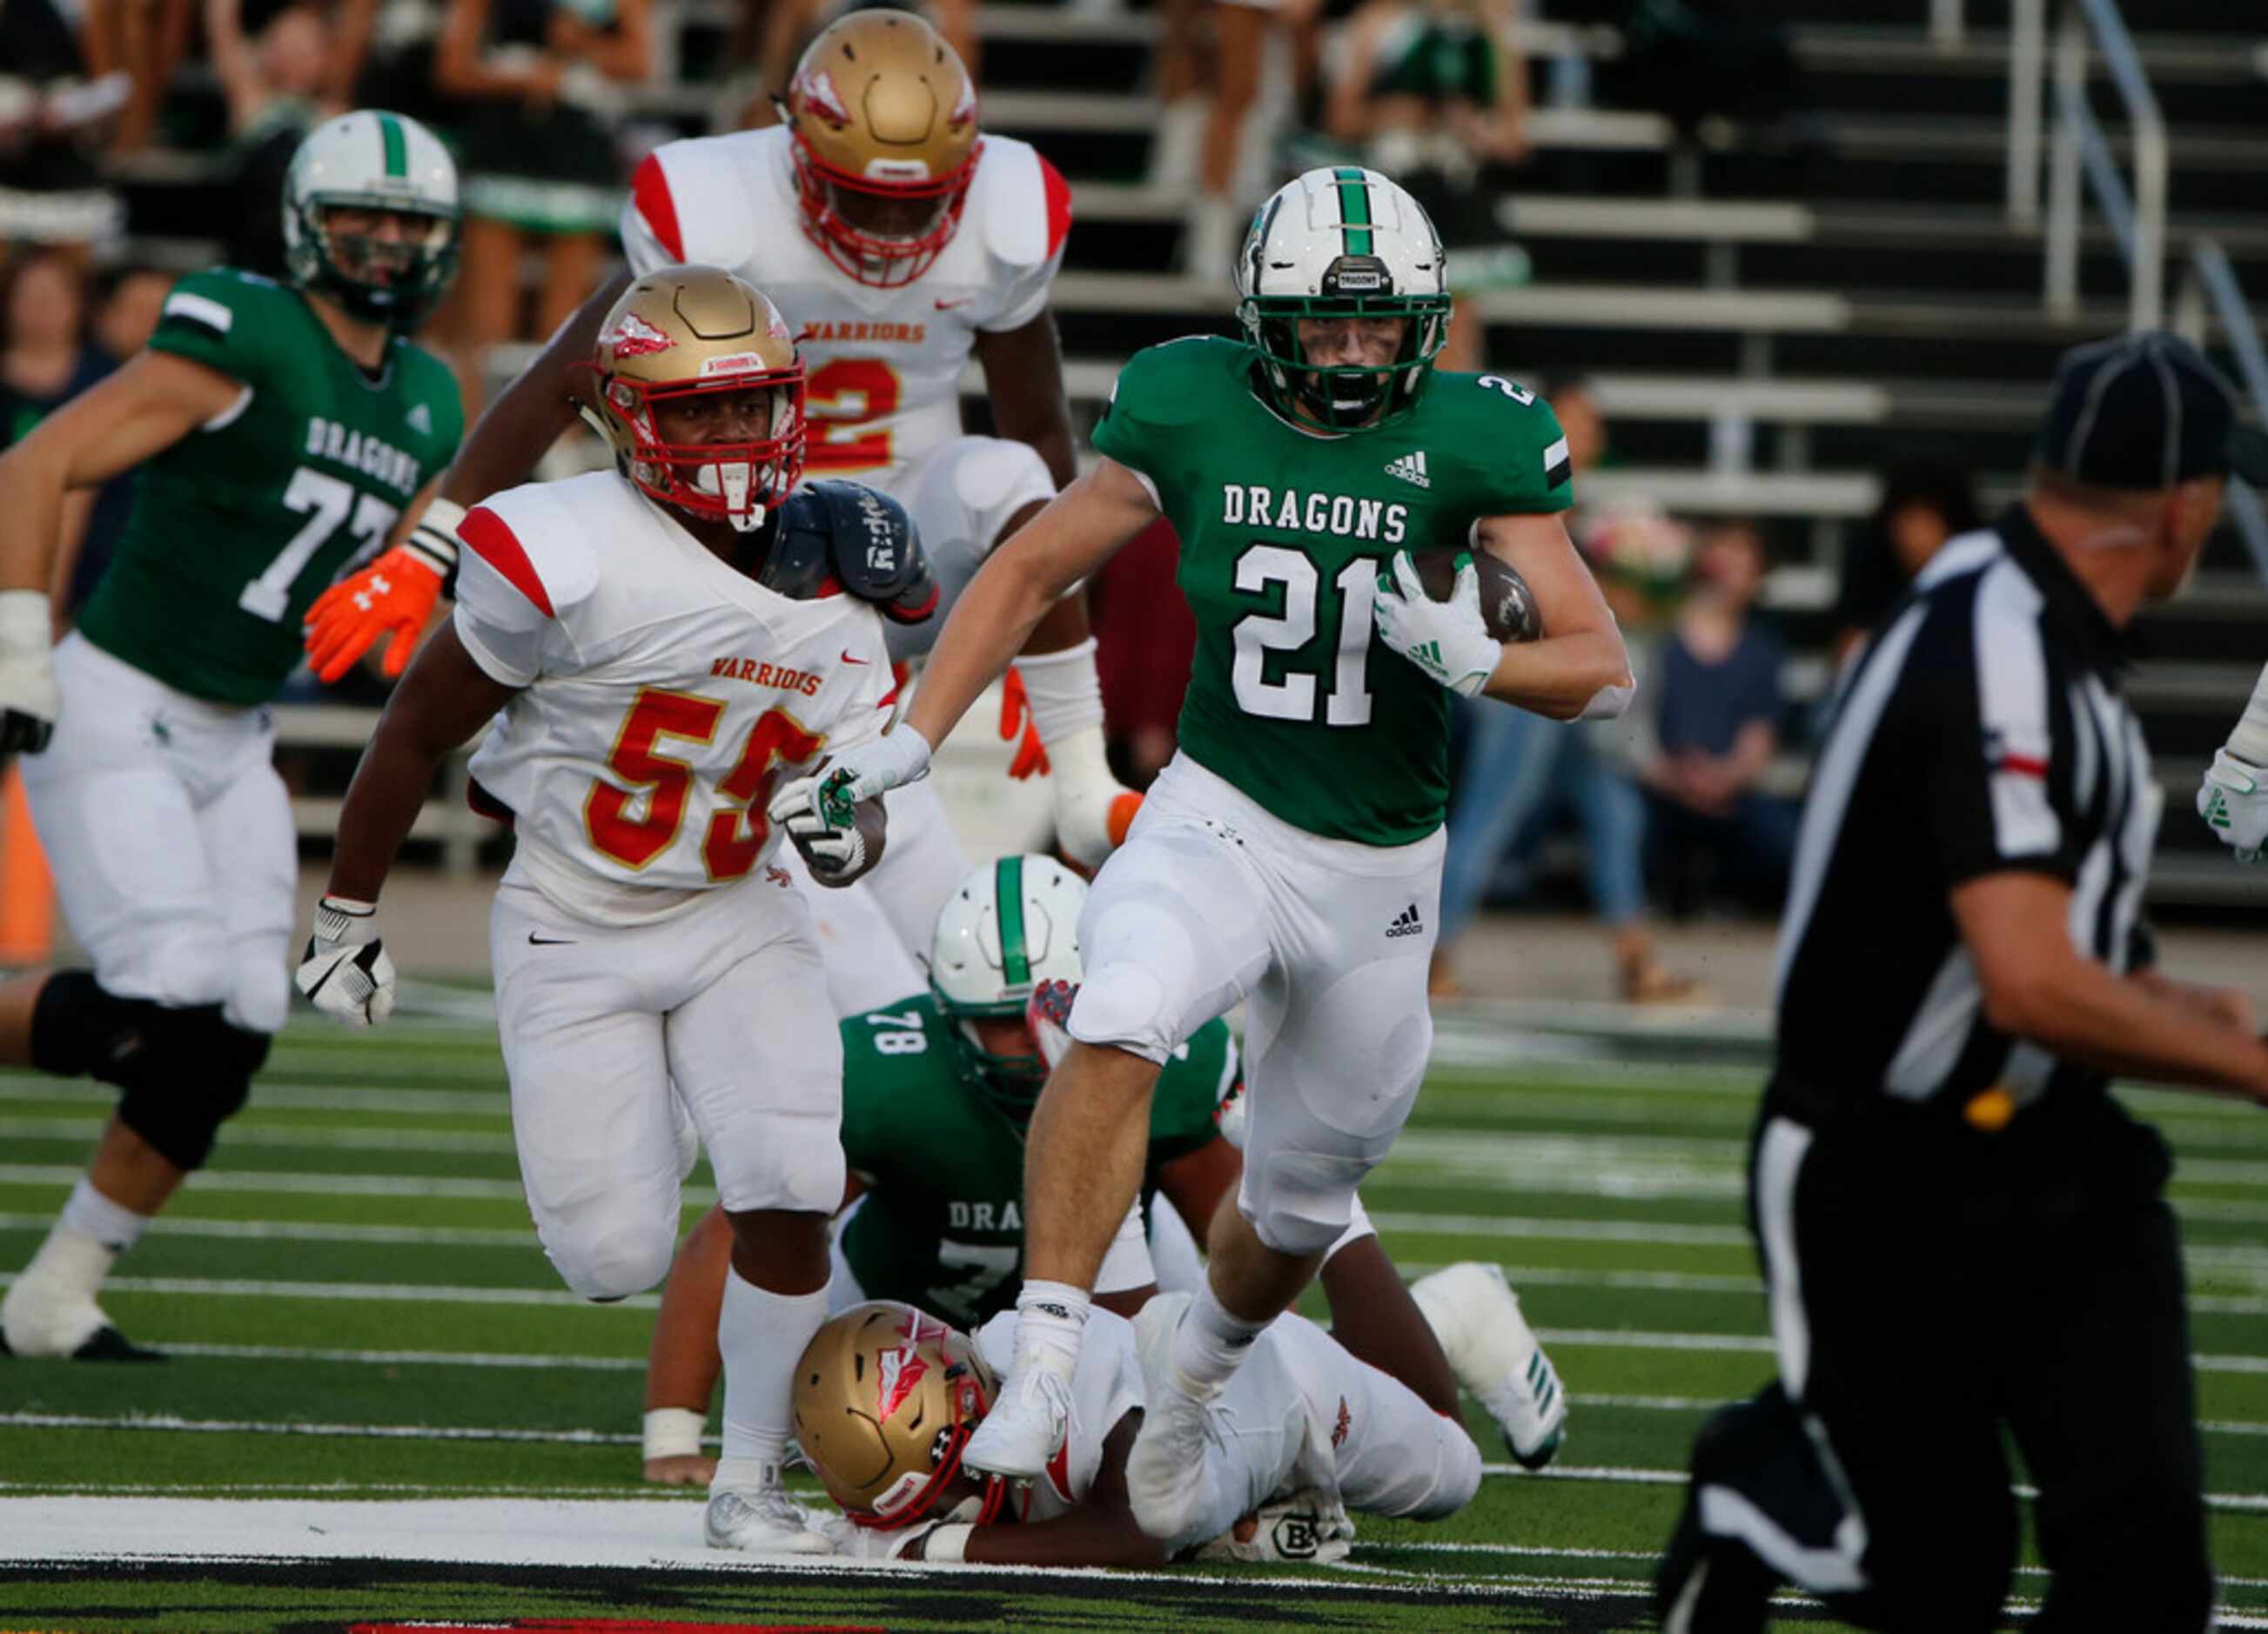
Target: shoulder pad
{"points": [[692, 197], [1022, 204], [835, 536], [531, 542]]}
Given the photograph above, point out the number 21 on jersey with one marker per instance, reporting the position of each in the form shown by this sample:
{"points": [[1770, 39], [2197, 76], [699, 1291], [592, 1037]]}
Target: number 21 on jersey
{"points": [[737, 834], [1262, 641]]}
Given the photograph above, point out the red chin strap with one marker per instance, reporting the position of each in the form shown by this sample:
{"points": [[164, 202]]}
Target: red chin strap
{"points": [[669, 472], [885, 263]]}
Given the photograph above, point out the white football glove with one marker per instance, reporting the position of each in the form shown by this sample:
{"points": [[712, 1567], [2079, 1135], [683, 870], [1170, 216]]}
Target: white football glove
{"points": [[2233, 799], [890, 760], [1448, 640], [345, 973], [859, 1543], [834, 852], [1307, 1526], [29, 700]]}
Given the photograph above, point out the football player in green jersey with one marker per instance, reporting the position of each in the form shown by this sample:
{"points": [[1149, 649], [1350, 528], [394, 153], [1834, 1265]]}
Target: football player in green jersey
{"points": [[1291, 855], [280, 429]]}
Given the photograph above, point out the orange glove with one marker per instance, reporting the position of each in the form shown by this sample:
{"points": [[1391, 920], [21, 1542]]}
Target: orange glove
{"points": [[396, 592], [1015, 716], [1123, 809]]}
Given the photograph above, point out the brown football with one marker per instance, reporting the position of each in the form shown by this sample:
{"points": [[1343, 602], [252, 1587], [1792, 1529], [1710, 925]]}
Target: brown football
{"points": [[1507, 605]]}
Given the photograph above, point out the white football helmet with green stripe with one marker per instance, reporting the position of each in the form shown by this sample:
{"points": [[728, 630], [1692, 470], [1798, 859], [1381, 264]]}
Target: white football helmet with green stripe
{"points": [[1341, 242], [372, 160], [1012, 924]]}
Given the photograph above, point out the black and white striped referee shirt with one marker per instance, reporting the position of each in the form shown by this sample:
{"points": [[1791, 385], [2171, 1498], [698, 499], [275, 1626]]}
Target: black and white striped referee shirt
{"points": [[1983, 729]]}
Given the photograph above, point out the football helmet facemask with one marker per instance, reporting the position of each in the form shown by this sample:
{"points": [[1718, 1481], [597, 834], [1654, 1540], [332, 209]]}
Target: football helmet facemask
{"points": [[883, 121], [1342, 242], [691, 332], [372, 161], [885, 1399], [1012, 924]]}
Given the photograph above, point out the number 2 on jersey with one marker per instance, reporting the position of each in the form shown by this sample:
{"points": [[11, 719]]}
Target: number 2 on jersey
{"points": [[842, 398], [737, 833], [1256, 637]]}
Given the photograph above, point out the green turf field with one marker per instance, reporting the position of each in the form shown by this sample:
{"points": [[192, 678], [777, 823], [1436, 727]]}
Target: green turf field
{"points": [[358, 1312]]}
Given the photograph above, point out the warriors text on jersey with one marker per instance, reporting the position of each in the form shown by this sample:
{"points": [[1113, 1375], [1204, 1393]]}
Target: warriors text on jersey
{"points": [[885, 364], [237, 526], [1284, 531], [940, 1225], [665, 694]]}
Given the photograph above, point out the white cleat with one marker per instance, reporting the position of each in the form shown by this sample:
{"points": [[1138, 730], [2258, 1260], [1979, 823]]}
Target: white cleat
{"points": [[1164, 1470], [1493, 1351], [44, 1316], [762, 1521], [1025, 1427]]}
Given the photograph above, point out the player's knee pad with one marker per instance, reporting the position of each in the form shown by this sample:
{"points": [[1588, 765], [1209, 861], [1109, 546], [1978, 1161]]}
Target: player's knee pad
{"points": [[793, 1163], [1125, 1005], [196, 1075], [191, 965], [1300, 1201], [1456, 1474], [259, 996], [609, 1258], [994, 478]]}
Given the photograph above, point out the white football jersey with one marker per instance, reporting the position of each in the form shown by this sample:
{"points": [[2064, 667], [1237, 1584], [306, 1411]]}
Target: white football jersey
{"points": [[665, 696], [884, 364], [1106, 1387]]}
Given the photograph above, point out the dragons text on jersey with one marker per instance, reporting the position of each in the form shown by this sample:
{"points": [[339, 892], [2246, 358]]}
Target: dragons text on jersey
{"points": [[1289, 511]]}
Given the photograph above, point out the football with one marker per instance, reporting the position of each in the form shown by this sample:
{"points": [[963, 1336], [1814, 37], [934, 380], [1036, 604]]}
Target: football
{"points": [[1507, 605]]}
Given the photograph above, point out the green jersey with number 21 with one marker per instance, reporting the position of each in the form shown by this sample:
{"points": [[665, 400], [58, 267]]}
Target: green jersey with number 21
{"points": [[1283, 531], [241, 524]]}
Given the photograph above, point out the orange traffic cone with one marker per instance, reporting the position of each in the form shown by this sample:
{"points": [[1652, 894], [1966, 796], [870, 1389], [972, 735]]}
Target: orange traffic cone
{"points": [[27, 896]]}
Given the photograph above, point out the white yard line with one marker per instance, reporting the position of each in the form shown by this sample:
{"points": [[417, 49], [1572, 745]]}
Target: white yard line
{"points": [[379, 1293], [411, 1358], [295, 1097], [312, 1231], [143, 1421], [292, 1137]]}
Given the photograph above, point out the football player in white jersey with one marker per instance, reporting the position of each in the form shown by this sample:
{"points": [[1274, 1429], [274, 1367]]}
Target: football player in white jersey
{"points": [[923, 243], [886, 1398], [660, 647]]}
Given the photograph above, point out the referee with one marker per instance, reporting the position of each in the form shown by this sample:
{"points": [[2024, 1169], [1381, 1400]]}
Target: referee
{"points": [[1962, 1233]]}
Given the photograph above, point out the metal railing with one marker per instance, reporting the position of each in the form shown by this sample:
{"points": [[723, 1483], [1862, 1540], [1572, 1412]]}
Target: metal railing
{"points": [[2211, 291], [2137, 218]]}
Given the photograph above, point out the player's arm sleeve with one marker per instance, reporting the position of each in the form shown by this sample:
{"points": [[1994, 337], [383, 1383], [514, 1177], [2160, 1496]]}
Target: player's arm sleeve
{"points": [[1981, 727], [1027, 295], [508, 612], [215, 319]]}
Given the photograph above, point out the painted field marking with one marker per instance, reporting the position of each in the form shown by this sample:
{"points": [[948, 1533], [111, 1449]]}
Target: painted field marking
{"points": [[378, 1293]]}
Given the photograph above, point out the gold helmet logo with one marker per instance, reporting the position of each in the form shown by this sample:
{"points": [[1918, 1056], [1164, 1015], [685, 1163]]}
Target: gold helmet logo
{"points": [[700, 394], [884, 122], [885, 1399]]}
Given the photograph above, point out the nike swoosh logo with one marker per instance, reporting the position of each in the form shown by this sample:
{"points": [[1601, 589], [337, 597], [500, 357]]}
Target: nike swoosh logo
{"points": [[847, 659], [949, 306], [534, 940]]}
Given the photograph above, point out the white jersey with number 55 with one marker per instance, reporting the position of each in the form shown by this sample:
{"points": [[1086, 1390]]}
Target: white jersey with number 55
{"points": [[665, 695], [885, 364]]}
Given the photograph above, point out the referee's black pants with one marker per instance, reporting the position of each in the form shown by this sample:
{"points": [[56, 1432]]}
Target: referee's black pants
{"points": [[1932, 1289]]}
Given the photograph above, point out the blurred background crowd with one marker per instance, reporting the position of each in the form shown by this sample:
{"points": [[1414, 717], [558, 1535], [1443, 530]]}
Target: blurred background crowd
{"points": [[1685, 808]]}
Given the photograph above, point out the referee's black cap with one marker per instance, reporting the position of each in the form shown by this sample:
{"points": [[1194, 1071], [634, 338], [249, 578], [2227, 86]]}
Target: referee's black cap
{"points": [[2144, 411]]}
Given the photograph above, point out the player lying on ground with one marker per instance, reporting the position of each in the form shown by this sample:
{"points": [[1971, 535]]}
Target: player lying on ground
{"points": [[658, 646], [1291, 855], [886, 1399], [936, 1091], [279, 427], [924, 244]]}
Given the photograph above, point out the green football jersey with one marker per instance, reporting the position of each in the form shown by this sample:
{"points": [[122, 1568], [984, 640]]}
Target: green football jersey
{"points": [[240, 525], [942, 1226], [1284, 530]]}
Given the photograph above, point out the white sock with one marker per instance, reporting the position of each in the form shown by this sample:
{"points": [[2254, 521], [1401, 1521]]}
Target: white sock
{"points": [[760, 1335], [1063, 690], [113, 1225], [1050, 1326], [2249, 742], [1210, 1343]]}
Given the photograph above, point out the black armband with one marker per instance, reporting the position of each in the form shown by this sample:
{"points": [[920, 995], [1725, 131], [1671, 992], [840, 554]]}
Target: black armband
{"points": [[845, 536]]}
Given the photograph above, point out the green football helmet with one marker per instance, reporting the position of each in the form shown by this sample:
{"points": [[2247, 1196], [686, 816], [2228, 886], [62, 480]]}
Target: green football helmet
{"points": [[372, 160], [1342, 242], [1012, 924]]}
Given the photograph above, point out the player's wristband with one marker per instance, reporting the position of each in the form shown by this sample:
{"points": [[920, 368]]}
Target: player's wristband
{"points": [[673, 1432], [434, 541], [947, 1543]]}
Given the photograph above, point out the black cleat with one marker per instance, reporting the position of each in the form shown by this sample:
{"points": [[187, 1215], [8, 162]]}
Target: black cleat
{"points": [[107, 1344]]}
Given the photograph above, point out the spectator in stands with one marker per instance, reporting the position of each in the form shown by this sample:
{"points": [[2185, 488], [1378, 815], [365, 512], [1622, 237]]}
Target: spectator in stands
{"points": [[1240, 34], [133, 298], [1717, 709], [1434, 93], [540, 79], [280, 83], [1519, 769], [46, 359], [62, 81], [1689, 60], [1924, 504]]}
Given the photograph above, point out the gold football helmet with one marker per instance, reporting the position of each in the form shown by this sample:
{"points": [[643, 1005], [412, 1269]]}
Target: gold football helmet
{"points": [[885, 1399], [699, 333], [884, 118]]}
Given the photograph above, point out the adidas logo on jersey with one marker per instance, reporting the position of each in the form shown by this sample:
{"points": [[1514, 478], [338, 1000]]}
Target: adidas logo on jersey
{"points": [[421, 420], [1411, 469], [1407, 922]]}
